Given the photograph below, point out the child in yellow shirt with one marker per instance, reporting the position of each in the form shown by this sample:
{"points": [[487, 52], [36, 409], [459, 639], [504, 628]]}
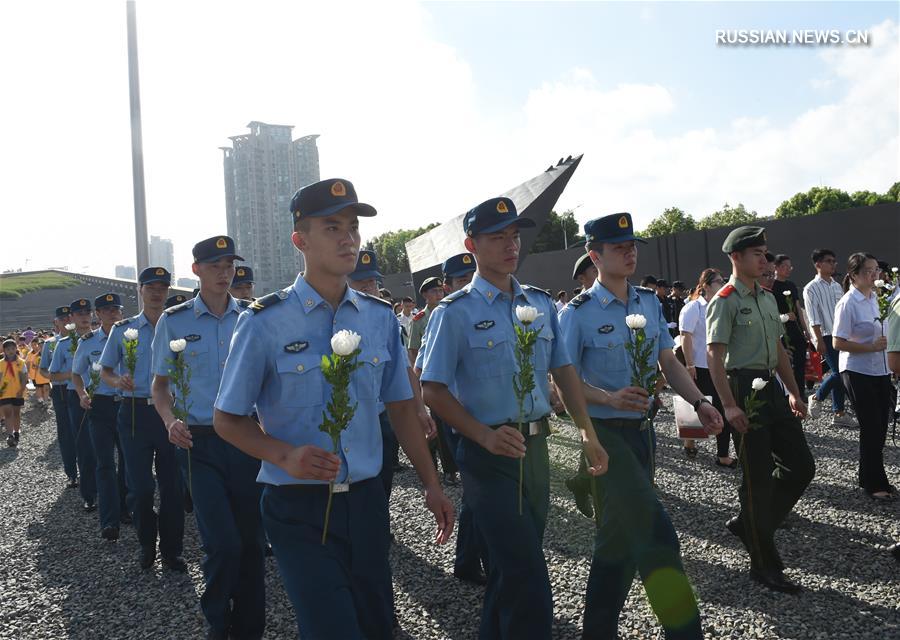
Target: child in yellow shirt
{"points": [[12, 390]]}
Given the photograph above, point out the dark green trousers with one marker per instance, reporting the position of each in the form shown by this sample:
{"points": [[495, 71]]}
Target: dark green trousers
{"points": [[768, 490]]}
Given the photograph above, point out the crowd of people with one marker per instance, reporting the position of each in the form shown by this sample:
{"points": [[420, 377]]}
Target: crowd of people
{"points": [[277, 421]]}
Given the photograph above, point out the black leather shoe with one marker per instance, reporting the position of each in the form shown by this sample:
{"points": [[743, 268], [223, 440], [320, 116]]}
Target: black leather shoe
{"points": [[110, 533], [72, 483], [895, 551], [175, 563], [89, 506], [774, 580], [148, 556], [475, 577], [736, 528], [582, 496]]}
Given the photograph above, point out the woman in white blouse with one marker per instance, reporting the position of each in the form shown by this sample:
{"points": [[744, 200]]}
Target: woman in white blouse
{"points": [[692, 325], [861, 343]]}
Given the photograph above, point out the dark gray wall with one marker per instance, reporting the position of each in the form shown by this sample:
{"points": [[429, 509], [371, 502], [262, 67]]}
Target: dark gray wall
{"points": [[682, 256]]}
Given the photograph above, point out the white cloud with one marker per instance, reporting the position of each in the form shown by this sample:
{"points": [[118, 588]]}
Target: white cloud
{"points": [[399, 114]]}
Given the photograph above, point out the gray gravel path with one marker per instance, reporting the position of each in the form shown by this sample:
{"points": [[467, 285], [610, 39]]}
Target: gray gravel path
{"points": [[60, 580]]}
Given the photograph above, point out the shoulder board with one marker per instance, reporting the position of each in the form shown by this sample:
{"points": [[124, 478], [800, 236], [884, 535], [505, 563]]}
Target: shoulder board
{"points": [[64, 338], [580, 299], [418, 316], [456, 295], [645, 290], [187, 304], [376, 298], [529, 287], [122, 323], [90, 334], [726, 291], [244, 304], [265, 302]]}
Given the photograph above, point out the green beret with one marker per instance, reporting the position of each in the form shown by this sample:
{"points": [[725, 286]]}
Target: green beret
{"points": [[744, 238], [581, 265], [430, 283]]}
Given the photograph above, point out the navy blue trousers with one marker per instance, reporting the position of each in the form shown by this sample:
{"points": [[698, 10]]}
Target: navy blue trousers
{"points": [[148, 449], [634, 533], [518, 604], [111, 488], [341, 589], [222, 482], [64, 431], [389, 450], [471, 552], [84, 449]]}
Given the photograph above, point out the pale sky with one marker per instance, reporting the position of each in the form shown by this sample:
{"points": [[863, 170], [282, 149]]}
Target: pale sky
{"points": [[430, 108]]}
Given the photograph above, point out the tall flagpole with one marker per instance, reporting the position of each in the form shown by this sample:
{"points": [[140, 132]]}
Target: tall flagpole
{"points": [[137, 147]]}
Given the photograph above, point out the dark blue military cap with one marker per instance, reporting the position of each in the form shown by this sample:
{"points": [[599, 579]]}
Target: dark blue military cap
{"points": [[212, 249], [82, 304], [155, 274], [613, 229], [107, 300], [366, 267], [327, 197], [242, 275], [178, 298], [430, 283], [459, 265], [580, 265], [493, 215], [62, 312]]}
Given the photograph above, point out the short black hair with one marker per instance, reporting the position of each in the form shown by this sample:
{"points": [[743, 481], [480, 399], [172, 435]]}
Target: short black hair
{"points": [[770, 257], [648, 280], [820, 254], [780, 258], [406, 299], [560, 294]]}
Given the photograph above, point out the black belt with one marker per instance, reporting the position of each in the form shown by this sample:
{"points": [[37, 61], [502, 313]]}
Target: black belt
{"points": [[104, 396], [621, 423], [201, 430], [765, 374], [339, 487], [138, 401], [534, 428]]}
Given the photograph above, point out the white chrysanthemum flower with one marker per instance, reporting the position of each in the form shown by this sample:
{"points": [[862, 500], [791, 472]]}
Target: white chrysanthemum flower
{"points": [[786, 294], [345, 342], [177, 346], [96, 367], [635, 321], [70, 327], [784, 317], [879, 283], [527, 315], [759, 384], [131, 334]]}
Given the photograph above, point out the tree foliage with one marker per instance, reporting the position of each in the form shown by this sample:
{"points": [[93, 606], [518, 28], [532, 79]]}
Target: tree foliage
{"points": [[728, 216], [672, 220], [551, 236], [390, 247]]}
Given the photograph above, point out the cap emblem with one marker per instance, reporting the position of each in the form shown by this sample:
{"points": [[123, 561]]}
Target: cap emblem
{"points": [[502, 208], [338, 190], [221, 243]]}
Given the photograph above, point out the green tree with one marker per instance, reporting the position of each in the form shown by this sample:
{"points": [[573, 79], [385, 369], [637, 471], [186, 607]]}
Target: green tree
{"points": [[893, 193], [870, 198], [390, 247], [558, 230], [728, 216], [672, 220], [816, 200]]}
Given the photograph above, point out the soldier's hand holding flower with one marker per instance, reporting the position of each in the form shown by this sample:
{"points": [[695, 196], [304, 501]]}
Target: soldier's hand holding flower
{"points": [[506, 441], [311, 463]]}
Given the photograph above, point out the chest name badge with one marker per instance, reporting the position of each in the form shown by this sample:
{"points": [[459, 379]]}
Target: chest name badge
{"points": [[296, 347], [484, 324], [607, 328], [192, 338], [746, 311], [96, 353]]}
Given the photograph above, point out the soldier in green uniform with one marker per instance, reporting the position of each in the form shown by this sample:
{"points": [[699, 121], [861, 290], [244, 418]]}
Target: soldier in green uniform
{"points": [[432, 291], [743, 338]]}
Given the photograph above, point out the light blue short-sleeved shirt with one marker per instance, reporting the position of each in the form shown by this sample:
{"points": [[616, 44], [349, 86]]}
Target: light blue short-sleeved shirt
{"points": [[594, 330], [47, 350], [274, 366], [471, 342], [113, 355], [208, 340], [61, 362], [88, 352]]}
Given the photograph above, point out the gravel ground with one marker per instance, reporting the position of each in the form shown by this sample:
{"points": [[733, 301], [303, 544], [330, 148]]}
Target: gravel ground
{"points": [[59, 579]]}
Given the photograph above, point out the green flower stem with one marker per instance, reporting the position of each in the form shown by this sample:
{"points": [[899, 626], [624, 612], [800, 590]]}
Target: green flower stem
{"points": [[523, 384]]}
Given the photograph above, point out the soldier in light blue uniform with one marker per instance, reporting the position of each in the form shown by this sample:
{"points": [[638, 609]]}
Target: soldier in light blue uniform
{"points": [[61, 371], [340, 589], [58, 398], [634, 532], [470, 563], [471, 343], [102, 407], [146, 438], [220, 477], [242, 284]]}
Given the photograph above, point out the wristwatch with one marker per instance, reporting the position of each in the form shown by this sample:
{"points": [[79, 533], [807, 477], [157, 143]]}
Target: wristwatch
{"points": [[697, 403]]}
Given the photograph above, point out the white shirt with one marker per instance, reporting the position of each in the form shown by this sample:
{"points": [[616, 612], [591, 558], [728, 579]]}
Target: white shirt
{"points": [[856, 320], [405, 320], [692, 320], [559, 305], [820, 298]]}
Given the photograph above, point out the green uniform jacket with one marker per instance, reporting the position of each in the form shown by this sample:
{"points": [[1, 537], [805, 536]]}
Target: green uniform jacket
{"points": [[748, 323]]}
